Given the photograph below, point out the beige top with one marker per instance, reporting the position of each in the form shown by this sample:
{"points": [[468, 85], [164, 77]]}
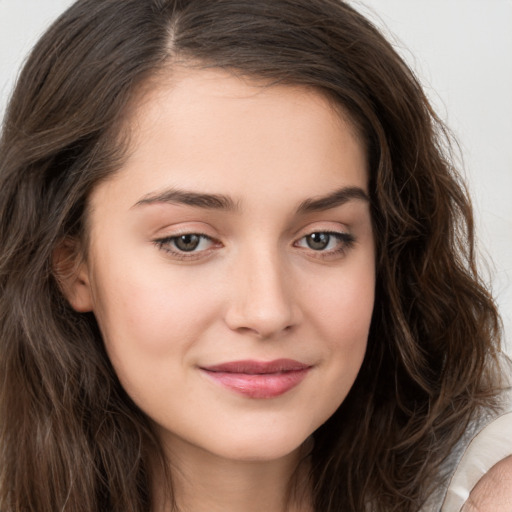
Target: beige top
{"points": [[492, 444], [486, 442]]}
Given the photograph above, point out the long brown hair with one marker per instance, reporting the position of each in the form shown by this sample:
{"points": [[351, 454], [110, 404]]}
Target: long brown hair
{"points": [[70, 437]]}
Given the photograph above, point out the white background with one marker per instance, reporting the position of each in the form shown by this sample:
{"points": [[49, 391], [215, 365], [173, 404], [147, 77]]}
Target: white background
{"points": [[462, 52]]}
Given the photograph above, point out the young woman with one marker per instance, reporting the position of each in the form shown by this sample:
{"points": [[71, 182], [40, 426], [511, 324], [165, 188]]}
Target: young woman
{"points": [[236, 271]]}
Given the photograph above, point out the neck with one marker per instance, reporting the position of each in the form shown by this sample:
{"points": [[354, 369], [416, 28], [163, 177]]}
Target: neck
{"points": [[202, 482]]}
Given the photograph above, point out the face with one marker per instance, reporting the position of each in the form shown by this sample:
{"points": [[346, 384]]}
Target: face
{"points": [[231, 264]]}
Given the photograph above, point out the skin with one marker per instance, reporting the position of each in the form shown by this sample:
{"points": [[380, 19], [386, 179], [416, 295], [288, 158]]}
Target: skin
{"points": [[493, 493], [253, 289]]}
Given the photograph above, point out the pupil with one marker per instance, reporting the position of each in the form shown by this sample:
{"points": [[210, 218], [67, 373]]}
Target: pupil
{"points": [[187, 242], [318, 241]]}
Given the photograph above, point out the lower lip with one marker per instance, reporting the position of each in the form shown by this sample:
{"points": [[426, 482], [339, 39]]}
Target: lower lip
{"points": [[265, 385]]}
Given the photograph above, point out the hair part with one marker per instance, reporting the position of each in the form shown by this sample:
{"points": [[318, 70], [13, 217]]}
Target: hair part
{"points": [[70, 437]]}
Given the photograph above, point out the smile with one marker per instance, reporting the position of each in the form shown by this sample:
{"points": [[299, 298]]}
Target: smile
{"points": [[256, 379]]}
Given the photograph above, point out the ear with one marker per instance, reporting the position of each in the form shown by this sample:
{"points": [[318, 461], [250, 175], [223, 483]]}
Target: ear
{"points": [[72, 274]]}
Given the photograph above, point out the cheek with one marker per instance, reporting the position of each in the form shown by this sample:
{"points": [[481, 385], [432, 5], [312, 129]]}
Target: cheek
{"points": [[147, 315], [342, 314], [148, 326], [344, 309]]}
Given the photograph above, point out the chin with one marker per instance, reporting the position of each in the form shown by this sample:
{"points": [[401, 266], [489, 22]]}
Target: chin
{"points": [[270, 446]]}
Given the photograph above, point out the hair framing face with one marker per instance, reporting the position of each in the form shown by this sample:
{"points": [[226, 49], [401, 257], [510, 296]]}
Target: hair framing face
{"points": [[434, 330]]}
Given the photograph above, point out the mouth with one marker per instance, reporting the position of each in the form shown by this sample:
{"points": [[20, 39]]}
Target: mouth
{"points": [[258, 379]]}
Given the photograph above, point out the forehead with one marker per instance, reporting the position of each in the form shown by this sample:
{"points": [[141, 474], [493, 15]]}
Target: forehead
{"points": [[211, 128], [184, 91]]}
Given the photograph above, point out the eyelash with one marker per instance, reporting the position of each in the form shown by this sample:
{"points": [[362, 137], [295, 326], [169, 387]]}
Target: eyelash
{"points": [[346, 241], [166, 243]]}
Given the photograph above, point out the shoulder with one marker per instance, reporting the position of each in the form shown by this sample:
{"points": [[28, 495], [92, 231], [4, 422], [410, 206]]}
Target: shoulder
{"points": [[493, 492], [481, 480]]}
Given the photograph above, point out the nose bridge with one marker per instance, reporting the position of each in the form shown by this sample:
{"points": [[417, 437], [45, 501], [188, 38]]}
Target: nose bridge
{"points": [[262, 300]]}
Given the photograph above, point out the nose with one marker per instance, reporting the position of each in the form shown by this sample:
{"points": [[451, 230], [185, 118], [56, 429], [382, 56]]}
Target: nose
{"points": [[262, 302]]}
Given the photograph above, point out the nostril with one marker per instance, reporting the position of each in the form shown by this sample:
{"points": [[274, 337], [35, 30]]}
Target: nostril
{"points": [[262, 323]]}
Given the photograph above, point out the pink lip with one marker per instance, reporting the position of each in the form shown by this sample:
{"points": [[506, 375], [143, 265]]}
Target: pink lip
{"points": [[258, 379]]}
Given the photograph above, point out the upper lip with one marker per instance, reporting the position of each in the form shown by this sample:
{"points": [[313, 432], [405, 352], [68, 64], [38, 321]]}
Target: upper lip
{"points": [[251, 367]]}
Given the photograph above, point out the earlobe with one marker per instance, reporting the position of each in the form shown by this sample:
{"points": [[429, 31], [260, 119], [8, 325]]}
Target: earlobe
{"points": [[72, 274]]}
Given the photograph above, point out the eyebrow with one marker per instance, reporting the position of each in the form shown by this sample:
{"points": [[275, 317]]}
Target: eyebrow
{"points": [[222, 202], [337, 198], [185, 197]]}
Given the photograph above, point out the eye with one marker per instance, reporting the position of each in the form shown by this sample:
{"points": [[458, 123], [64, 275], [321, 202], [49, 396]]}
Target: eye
{"points": [[325, 241], [187, 244]]}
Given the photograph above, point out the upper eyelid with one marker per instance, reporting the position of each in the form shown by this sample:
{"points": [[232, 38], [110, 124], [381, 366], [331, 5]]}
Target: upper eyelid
{"points": [[185, 233], [168, 233], [327, 230], [297, 235], [322, 229]]}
